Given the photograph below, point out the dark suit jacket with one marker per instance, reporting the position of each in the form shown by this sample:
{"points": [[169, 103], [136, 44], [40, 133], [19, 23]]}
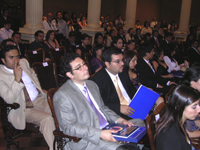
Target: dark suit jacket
{"points": [[194, 56], [137, 40], [22, 50], [69, 47], [153, 41], [35, 45], [147, 76], [163, 44], [108, 91]]}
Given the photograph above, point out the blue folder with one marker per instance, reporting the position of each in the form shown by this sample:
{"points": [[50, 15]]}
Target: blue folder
{"points": [[178, 73], [142, 102]]}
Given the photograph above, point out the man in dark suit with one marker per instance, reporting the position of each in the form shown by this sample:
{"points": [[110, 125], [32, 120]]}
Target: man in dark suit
{"points": [[194, 53], [39, 43], [138, 36], [121, 34], [156, 39], [147, 72], [16, 37], [110, 92], [70, 43], [167, 40]]}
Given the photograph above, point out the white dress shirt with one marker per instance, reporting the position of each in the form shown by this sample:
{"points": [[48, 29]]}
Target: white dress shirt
{"points": [[124, 93], [62, 27], [31, 89], [173, 65], [91, 97], [5, 34]]}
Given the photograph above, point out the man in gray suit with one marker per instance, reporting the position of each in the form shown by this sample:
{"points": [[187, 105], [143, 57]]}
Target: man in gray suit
{"points": [[81, 112]]}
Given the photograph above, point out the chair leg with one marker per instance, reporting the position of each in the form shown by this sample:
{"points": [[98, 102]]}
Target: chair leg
{"points": [[60, 143]]}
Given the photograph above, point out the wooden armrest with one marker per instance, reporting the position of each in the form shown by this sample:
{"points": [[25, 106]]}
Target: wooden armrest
{"points": [[195, 142], [12, 106], [61, 134]]}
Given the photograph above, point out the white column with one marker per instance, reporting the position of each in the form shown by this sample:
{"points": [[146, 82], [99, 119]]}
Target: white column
{"points": [[94, 9], [130, 14], [185, 15], [34, 12]]}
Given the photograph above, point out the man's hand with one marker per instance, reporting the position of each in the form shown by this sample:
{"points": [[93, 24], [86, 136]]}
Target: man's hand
{"points": [[17, 72], [124, 122], [44, 91], [160, 86], [170, 75], [126, 110], [106, 135], [170, 83]]}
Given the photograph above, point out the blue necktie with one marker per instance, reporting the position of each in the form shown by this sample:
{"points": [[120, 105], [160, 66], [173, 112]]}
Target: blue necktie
{"points": [[102, 120]]}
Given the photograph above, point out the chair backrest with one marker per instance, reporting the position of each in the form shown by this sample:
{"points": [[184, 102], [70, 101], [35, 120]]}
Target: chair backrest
{"points": [[37, 55], [150, 123], [57, 132], [47, 74], [56, 54], [170, 91]]}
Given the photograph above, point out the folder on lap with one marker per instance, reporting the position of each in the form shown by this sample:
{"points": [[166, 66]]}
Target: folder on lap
{"points": [[142, 102]]}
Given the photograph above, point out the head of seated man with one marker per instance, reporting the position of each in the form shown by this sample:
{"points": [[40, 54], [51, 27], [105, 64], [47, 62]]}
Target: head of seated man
{"points": [[112, 59], [39, 36]]}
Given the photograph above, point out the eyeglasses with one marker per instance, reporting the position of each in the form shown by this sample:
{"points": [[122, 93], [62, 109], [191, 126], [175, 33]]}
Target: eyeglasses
{"points": [[118, 61], [80, 67]]}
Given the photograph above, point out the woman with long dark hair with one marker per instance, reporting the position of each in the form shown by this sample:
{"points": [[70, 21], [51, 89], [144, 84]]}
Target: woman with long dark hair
{"points": [[171, 134], [51, 40]]}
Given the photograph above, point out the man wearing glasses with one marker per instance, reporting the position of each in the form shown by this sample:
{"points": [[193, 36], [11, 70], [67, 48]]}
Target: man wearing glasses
{"points": [[115, 86], [81, 112]]}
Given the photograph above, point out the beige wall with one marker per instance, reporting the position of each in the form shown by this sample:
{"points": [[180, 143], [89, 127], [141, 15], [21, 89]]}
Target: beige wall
{"points": [[146, 9]]}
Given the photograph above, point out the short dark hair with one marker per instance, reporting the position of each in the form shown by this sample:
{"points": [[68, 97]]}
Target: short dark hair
{"points": [[5, 10], [115, 40], [84, 36], [107, 54], [145, 48], [57, 13], [193, 41], [72, 34], [65, 63], [7, 22], [129, 30], [14, 33], [37, 32], [6, 49], [154, 31], [4, 42], [131, 41], [137, 29]]}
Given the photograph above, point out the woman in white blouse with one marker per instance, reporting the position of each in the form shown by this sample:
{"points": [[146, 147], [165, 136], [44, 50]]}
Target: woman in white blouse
{"points": [[129, 35], [169, 60]]}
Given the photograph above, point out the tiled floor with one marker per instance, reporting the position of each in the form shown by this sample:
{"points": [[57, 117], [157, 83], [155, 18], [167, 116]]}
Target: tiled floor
{"points": [[27, 141]]}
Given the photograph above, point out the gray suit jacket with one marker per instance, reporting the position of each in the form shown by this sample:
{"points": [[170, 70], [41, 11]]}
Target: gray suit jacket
{"points": [[12, 92], [77, 118]]}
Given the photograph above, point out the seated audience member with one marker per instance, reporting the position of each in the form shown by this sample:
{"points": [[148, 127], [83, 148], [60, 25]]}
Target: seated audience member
{"points": [[63, 30], [101, 20], [6, 32], [169, 59], [65, 17], [192, 78], [182, 104], [163, 24], [129, 35], [111, 26], [110, 38], [79, 19], [166, 41], [115, 85], [146, 38], [51, 40], [153, 23], [96, 61], [74, 20], [146, 28], [194, 53], [122, 34], [70, 26], [70, 42], [49, 23], [39, 43], [107, 19], [20, 85], [104, 25], [130, 61], [84, 48], [118, 42], [131, 46], [137, 24], [85, 114], [156, 38], [83, 22], [160, 30], [98, 39], [138, 36], [5, 17], [119, 25], [16, 37], [189, 40], [119, 19], [148, 76]]}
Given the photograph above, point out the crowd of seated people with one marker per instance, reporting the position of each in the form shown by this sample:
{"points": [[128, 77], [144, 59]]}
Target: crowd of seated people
{"points": [[143, 55]]}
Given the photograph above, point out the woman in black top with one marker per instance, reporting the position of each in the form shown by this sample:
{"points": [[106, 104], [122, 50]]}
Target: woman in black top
{"points": [[182, 104]]}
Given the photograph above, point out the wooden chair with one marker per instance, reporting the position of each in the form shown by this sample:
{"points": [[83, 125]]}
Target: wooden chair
{"points": [[47, 74], [56, 55], [150, 123], [37, 55], [170, 91], [60, 138], [10, 133]]}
